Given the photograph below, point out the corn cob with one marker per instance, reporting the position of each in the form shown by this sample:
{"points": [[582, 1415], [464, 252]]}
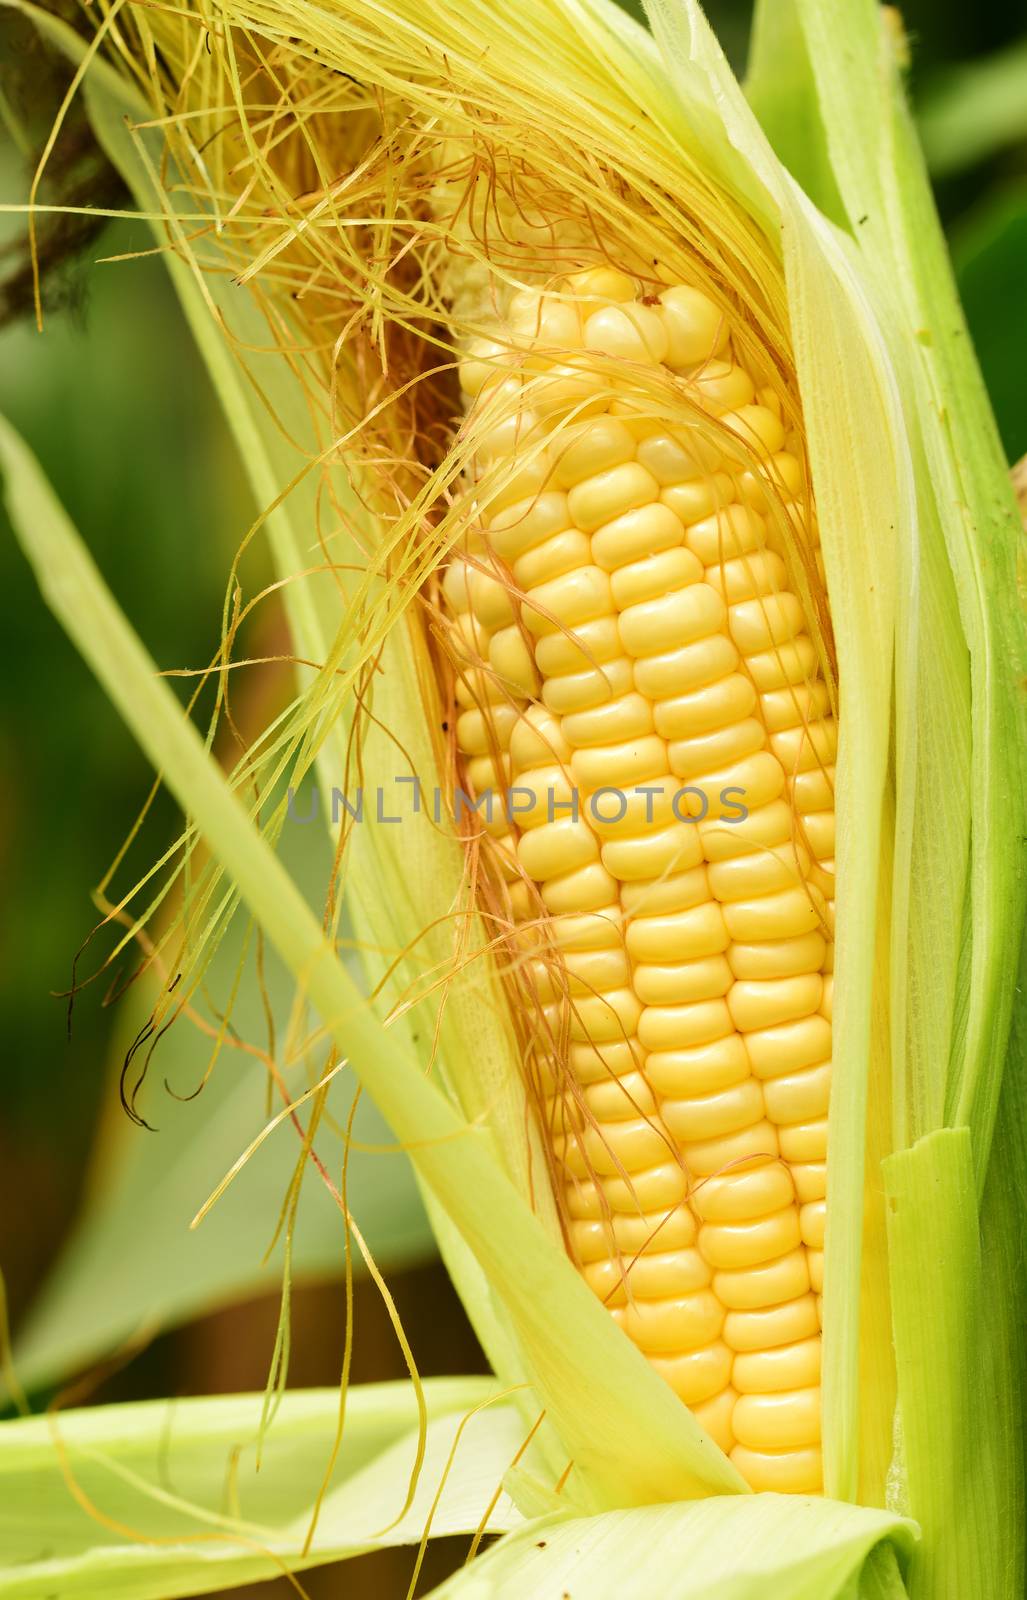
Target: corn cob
{"points": [[635, 673]]}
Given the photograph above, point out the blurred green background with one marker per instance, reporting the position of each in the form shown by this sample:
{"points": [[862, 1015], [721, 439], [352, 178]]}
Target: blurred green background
{"points": [[114, 400]]}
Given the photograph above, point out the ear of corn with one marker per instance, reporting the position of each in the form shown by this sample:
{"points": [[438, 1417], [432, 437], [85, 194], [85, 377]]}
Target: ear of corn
{"points": [[458, 233], [625, 631]]}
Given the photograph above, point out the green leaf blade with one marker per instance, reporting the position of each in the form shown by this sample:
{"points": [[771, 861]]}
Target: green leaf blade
{"points": [[168, 1500]]}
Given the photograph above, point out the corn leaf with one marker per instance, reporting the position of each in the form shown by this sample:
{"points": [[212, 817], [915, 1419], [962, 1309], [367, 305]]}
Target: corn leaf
{"points": [[132, 1265], [881, 1577], [606, 1403], [790, 1547], [161, 1498], [969, 112], [989, 251]]}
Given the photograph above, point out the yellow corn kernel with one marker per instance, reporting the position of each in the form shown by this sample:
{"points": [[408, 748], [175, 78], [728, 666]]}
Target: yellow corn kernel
{"points": [[697, 1375], [769, 1326], [707, 979], [697, 329], [655, 856], [778, 958], [746, 1244], [671, 620], [679, 891], [680, 935], [734, 1197], [599, 499], [779, 1420], [580, 691], [789, 1046], [787, 1366], [652, 576], [628, 717], [797, 1097], [695, 500], [680, 1074], [630, 332], [756, 1003], [686, 667], [668, 1326], [715, 1115], [758, 1142], [620, 1098], [715, 1417], [727, 701], [804, 1141], [512, 662]]}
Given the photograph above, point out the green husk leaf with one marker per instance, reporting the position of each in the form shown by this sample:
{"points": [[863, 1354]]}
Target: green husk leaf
{"points": [[791, 1547], [989, 252], [159, 1498], [606, 1403], [881, 1577], [953, 1475]]}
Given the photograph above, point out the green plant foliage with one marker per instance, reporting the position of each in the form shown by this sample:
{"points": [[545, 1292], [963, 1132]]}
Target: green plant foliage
{"points": [[918, 533], [990, 254], [968, 112], [164, 1498], [132, 1264]]}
